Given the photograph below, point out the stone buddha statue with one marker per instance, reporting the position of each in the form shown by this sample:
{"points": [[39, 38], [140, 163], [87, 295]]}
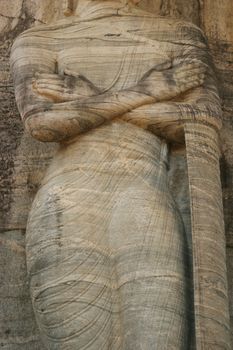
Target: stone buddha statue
{"points": [[107, 253]]}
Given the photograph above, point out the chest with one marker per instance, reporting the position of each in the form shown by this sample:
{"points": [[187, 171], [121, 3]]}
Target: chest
{"points": [[112, 62]]}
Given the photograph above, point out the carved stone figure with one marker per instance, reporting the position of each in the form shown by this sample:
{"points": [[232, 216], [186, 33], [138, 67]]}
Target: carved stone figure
{"points": [[107, 253]]}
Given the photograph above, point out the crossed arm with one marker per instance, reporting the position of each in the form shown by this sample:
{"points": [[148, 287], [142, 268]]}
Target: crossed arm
{"points": [[57, 108]]}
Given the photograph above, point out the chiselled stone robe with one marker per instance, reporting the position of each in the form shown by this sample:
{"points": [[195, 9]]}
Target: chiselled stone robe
{"points": [[106, 248]]}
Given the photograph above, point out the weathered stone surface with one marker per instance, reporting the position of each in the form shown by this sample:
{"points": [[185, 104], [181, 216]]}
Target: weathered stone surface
{"points": [[230, 281], [44, 11], [18, 327], [217, 23], [104, 118], [215, 19]]}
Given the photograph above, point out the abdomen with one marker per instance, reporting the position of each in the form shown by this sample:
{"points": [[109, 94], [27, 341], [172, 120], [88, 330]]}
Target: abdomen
{"points": [[105, 246]]}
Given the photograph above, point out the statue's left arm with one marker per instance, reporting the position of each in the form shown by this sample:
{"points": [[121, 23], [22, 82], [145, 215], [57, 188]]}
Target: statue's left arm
{"points": [[200, 104]]}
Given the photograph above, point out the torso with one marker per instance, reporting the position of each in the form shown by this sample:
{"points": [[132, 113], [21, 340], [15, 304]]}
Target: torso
{"points": [[113, 53], [107, 192], [113, 58]]}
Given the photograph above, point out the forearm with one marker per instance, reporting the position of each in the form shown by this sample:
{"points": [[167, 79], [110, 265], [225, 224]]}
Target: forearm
{"points": [[61, 121], [82, 114], [162, 119], [167, 119]]}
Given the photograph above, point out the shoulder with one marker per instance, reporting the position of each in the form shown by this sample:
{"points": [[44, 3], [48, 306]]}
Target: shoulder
{"points": [[169, 29], [42, 32], [181, 32], [47, 30], [35, 39], [184, 31], [31, 49]]}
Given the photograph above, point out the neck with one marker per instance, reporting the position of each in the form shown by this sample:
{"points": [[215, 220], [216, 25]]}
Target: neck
{"points": [[86, 7]]}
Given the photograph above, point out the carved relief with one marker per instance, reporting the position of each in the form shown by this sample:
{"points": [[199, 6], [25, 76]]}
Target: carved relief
{"points": [[107, 251]]}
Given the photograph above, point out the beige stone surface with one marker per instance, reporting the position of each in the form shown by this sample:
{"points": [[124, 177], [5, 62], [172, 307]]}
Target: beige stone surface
{"points": [[18, 329], [44, 11], [214, 18], [11, 8], [158, 76]]}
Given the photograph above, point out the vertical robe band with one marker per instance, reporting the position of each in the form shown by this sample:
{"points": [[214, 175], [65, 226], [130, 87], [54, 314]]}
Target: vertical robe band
{"points": [[211, 307]]}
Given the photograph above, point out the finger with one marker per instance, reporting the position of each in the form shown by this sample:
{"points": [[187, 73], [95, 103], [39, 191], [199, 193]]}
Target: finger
{"points": [[46, 83], [57, 95], [189, 80], [191, 73], [194, 84], [188, 75], [163, 66], [193, 67], [189, 70], [185, 61], [49, 90], [50, 77], [190, 85], [54, 95], [46, 90], [190, 67], [47, 76], [199, 77], [71, 73], [192, 80]]}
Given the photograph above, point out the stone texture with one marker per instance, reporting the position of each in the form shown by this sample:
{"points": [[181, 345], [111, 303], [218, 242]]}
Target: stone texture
{"points": [[18, 328], [64, 95], [215, 19], [217, 23]]}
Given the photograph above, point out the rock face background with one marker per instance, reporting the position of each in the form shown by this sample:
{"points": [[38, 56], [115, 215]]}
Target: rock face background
{"points": [[23, 160]]}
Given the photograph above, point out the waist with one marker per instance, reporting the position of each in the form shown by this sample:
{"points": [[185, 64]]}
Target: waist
{"points": [[113, 147]]}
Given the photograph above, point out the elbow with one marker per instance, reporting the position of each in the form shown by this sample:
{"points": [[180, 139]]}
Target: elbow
{"points": [[210, 110], [203, 110], [37, 126], [57, 125]]}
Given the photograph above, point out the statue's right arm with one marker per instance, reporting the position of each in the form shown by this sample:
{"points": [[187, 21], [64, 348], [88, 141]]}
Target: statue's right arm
{"points": [[49, 120]]}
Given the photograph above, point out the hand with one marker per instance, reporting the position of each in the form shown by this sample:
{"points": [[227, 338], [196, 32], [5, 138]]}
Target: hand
{"points": [[162, 119], [169, 83], [63, 88]]}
